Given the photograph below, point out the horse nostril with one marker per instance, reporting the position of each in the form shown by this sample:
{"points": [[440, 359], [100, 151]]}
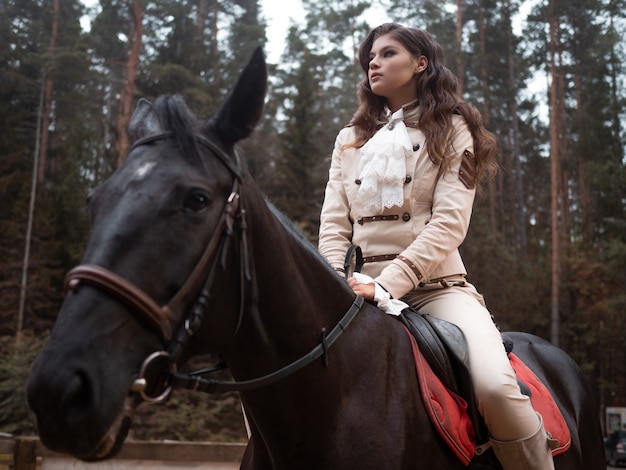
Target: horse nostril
{"points": [[77, 398], [77, 393], [60, 400], [62, 405]]}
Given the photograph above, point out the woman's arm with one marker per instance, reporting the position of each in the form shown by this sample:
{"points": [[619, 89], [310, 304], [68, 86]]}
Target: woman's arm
{"points": [[335, 233]]}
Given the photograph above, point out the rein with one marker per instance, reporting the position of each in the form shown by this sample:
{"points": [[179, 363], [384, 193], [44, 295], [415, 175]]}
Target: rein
{"points": [[160, 316], [195, 382]]}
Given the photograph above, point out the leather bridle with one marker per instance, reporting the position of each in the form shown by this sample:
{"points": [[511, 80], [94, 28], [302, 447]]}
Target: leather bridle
{"points": [[200, 280]]}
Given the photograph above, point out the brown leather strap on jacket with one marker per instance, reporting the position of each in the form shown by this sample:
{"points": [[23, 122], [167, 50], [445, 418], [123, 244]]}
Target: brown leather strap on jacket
{"points": [[404, 259], [373, 259], [410, 264], [376, 218]]}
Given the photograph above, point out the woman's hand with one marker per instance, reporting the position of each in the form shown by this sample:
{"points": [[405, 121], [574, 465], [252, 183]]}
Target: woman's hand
{"points": [[366, 291]]}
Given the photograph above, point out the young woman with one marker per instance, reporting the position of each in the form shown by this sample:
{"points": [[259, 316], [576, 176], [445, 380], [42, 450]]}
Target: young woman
{"points": [[401, 186]]}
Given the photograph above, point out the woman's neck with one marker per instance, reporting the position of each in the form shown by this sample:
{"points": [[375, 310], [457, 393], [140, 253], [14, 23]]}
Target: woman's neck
{"points": [[396, 102], [407, 105]]}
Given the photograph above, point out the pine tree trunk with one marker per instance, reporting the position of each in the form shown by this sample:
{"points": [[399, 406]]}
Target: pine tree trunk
{"points": [[47, 100], [130, 76], [554, 175], [493, 196], [215, 52], [29, 226], [519, 213], [616, 107], [460, 71], [584, 196], [200, 19]]}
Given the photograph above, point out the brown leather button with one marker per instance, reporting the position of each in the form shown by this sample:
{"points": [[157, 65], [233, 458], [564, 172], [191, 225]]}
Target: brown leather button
{"points": [[408, 179], [357, 181], [406, 216], [416, 147]]}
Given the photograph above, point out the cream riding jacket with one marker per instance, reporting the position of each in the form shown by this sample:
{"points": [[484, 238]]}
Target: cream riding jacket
{"points": [[408, 245]]}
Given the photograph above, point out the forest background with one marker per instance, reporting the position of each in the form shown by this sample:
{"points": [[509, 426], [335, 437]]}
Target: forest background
{"points": [[547, 244]]}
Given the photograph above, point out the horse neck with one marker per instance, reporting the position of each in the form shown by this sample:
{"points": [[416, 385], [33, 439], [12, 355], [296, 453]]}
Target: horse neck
{"points": [[290, 271], [295, 292]]}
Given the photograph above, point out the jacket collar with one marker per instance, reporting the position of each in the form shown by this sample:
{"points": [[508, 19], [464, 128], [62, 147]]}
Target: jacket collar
{"points": [[412, 111]]}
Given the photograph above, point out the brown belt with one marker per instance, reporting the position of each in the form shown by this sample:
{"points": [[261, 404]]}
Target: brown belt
{"points": [[409, 263], [375, 218], [373, 259]]}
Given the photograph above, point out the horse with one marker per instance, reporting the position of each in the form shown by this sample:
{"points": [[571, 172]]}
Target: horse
{"points": [[187, 257]]}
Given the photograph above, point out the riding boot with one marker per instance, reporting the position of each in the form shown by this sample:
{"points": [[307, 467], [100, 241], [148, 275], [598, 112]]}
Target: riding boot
{"points": [[531, 453]]}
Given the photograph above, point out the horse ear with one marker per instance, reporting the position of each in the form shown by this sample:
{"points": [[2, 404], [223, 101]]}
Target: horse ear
{"points": [[243, 107], [143, 122]]}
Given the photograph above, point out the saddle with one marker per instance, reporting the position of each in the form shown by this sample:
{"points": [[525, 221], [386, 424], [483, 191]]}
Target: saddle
{"points": [[444, 348], [442, 366], [440, 352]]}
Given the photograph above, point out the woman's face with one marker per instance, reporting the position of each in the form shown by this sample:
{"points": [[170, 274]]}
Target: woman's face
{"points": [[393, 71]]}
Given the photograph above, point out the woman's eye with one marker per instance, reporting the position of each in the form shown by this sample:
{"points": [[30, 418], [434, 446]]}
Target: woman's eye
{"points": [[196, 201]]}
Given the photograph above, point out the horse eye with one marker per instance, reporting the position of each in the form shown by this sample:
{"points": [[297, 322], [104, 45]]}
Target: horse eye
{"points": [[196, 201]]}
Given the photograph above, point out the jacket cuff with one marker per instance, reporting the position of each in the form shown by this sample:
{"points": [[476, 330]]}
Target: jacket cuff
{"points": [[398, 278]]}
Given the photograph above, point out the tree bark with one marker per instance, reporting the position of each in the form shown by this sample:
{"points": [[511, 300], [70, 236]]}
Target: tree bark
{"points": [[215, 52], [130, 77], [460, 71], [554, 175], [584, 196], [29, 227], [200, 18], [484, 76], [616, 107], [47, 99], [39, 163], [519, 213]]}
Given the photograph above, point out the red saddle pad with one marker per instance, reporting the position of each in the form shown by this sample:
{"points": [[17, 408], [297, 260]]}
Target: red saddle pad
{"points": [[448, 411]]}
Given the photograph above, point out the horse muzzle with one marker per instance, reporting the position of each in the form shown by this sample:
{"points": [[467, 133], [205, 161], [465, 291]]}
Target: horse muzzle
{"points": [[69, 427], [74, 414]]}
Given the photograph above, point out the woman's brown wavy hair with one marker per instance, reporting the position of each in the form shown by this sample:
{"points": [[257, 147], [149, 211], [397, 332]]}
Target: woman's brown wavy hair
{"points": [[436, 94]]}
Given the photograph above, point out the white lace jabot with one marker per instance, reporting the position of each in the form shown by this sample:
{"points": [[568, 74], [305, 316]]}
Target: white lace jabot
{"points": [[382, 168]]}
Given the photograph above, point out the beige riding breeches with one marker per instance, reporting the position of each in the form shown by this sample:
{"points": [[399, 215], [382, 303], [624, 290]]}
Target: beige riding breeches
{"points": [[508, 413]]}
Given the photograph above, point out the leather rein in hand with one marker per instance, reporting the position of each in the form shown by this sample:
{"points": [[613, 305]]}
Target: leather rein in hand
{"points": [[161, 316]]}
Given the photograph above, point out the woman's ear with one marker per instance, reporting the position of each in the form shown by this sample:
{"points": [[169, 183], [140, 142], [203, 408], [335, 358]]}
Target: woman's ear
{"points": [[420, 64]]}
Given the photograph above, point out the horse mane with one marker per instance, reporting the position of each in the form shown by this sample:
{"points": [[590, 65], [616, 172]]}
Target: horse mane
{"points": [[174, 116], [288, 223], [298, 235]]}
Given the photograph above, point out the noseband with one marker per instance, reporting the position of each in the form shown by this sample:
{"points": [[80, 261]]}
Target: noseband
{"points": [[161, 316]]}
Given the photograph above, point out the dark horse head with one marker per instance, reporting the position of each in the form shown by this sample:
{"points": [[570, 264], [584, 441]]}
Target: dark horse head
{"points": [[161, 228]]}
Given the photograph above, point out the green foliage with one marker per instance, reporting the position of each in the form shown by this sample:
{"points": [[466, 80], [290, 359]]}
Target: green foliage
{"points": [[192, 416], [247, 32], [15, 362]]}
